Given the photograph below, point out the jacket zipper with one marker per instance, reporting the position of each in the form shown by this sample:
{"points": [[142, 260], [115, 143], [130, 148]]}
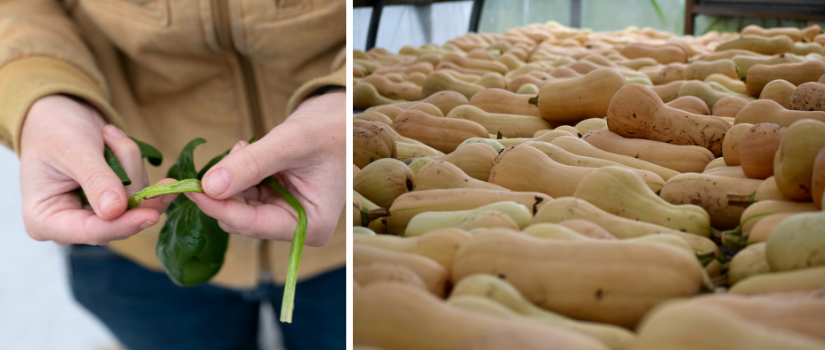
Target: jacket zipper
{"points": [[223, 30]]}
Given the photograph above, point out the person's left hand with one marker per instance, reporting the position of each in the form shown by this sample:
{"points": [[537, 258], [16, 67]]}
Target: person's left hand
{"points": [[306, 153]]}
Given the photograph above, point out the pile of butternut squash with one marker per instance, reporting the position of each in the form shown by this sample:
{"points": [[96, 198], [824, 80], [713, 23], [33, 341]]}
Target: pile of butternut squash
{"points": [[557, 188]]}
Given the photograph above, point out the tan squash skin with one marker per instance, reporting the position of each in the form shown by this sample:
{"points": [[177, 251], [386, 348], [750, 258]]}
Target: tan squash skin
{"points": [[455, 69], [692, 325], [572, 100], [492, 81], [587, 228], [690, 104], [443, 134], [794, 161], [700, 69], [510, 125], [417, 78], [390, 111], [516, 167], [818, 178], [420, 67], [364, 96], [431, 273], [386, 272], [761, 209], [371, 141], [663, 54], [516, 83], [440, 245], [407, 206], [778, 90], [399, 317], [732, 84], [759, 44], [757, 149], [534, 266], [489, 219], [748, 262], [443, 175], [426, 108], [795, 73], [703, 91], [392, 90], [729, 106], [794, 33], [727, 54], [680, 158], [580, 147], [809, 279], [412, 150], [565, 72], [621, 192], [716, 163], [762, 229], [638, 63], [711, 193], [475, 63], [743, 63], [544, 137], [374, 117], [637, 112], [474, 160], [384, 180], [446, 100], [503, 101], [669, 91], [588, 125], [665, 74], [730, 146], [734, 171], [562, 156], [808, 97], [441, 81]]}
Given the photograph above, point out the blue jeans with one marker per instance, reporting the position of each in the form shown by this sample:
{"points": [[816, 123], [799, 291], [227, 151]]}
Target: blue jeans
{"points": [[145, 310]]}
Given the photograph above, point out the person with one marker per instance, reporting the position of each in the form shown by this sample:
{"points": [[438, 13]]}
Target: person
{"points": [[78, 75]]}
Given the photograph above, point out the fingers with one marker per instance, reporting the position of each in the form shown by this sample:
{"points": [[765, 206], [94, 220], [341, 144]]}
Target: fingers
{"points": [[103, 188], [159, 204], [248, 166], [262, 222], [128, 153]]}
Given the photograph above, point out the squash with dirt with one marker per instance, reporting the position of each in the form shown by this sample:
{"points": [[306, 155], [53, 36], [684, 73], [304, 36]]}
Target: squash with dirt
{"points": [[711, 193], [371, 141], [621, 192], [637, 112], [681, 158], [443, 134], [510, 125], [794, 161], [808, 97], [573, 100], [384, 180]]}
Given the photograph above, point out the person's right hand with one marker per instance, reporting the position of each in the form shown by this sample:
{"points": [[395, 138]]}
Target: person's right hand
{"points": [[62, 149]]}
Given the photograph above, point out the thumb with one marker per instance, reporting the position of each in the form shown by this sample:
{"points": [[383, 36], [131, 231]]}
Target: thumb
{"points": [[248, 166], [103, 188]]}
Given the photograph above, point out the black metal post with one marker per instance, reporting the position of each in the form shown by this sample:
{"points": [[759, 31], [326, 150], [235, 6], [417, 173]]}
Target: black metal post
{"points": [[375, 19], [475, 15]]}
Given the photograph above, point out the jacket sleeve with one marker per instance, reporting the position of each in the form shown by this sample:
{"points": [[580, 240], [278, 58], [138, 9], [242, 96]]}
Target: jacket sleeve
{"points": [[42, 53], [337, 78]]}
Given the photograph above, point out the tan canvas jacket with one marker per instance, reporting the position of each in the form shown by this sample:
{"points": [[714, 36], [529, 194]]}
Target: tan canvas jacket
{"points": [[168, 71]]}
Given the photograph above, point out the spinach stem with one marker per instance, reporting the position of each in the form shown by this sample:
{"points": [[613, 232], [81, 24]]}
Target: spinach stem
{"points": [[295, 250], [187, 185]]}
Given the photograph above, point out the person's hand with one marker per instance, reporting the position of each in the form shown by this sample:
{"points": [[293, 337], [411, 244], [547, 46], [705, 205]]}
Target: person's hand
{"points": [[62, 149], [306, 153]]}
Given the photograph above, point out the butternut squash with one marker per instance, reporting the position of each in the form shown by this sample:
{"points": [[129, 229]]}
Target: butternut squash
{"points": [[475, 63], [711, 193], [729, 106], [588, 125], [797, 242], [743, 63], [426, 108], [386, 272], [761, 209], [417, 164], [734, 171], [587, 228], [727, 54], [808, 97], [621, 192], [442, 81], [474, 160], [399, 317], [794, 33], [364, 96], [431, 273], [443, 134], [670, 91], [439, 245], [794, 161], [818, 180], [443, 175], [583, 148], [687, 325], [730, 146], [768, 111], [810, 32], [748, 262], [505, 300], [562, 156], [492, 81], [690, 104], [759, 44], [430, 221], [528, 89], [554, 231], [637, 112], [371, 141], [384, 180], [545, 137], [701, 69], [638, 63], [492, 143], [681, 158], [762, 229], [412, 150], [663, 54], [390, 111], [411, 204], [374, 117], [757, 149], [802, 49], [417, 78], [534, 266], [510, 125], [665, 74], [703, 91], [795, 73], [732, 84], [528, 79], [488, 219], [392, 90], [786, 281], [572, 100]]}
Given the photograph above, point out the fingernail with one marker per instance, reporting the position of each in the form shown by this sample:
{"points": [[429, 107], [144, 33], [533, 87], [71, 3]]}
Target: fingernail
{"points": [[113, 131], [217, 182], [236, 147], [146, 225], [106, 201]]}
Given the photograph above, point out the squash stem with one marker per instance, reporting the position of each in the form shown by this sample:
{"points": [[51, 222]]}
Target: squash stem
{"points": [[534, 100], [295, 250], [188, 185]]}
